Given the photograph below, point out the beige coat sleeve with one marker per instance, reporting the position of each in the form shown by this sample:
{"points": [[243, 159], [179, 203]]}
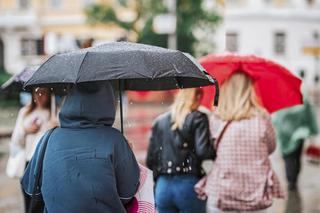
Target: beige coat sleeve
{"points": [[19, 135]]}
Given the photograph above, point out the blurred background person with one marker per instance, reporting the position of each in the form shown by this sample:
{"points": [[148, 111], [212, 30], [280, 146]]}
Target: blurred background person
{"points": [[180, 141], [32, 122], [293, 127], [242, 178], [87, 43]]}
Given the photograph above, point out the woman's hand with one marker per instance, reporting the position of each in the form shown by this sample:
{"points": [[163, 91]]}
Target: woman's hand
{"points": [[32, 129], [130, 144], [199, 188], [54, 122]]}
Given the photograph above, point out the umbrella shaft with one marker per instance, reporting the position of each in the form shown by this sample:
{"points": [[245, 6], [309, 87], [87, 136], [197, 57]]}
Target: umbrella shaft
{"points": [[121, 109]]}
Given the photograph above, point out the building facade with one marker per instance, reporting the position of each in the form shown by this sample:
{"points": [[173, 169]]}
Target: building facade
{"points": [[286, 31], [32, 30]]}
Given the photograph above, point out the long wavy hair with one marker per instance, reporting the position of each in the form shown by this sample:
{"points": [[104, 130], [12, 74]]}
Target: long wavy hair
{"points": [[187, 100], [33, 104]]}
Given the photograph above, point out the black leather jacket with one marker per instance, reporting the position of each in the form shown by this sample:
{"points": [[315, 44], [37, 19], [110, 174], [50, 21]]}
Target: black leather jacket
{"points": [[181, 151]]}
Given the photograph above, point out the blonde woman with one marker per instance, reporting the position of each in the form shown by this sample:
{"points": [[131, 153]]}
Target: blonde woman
{"points": [[179, 142], [242, 178]]}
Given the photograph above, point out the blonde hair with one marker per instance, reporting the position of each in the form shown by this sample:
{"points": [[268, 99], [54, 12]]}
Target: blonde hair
{"points": [[238, 99], [187, 100]]}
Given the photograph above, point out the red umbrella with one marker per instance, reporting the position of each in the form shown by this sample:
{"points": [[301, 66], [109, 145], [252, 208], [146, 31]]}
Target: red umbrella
{"points": [[276, 87]]}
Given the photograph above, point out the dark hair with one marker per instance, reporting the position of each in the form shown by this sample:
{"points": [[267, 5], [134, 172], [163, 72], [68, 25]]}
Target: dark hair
{"points": [[87, 43]]}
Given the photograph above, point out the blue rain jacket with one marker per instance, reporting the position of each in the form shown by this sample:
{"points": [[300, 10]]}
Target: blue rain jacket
{"points": [[88, 165]]}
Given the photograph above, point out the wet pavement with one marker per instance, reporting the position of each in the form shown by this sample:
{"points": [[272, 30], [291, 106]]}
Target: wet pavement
{"points": [[138, 120]]}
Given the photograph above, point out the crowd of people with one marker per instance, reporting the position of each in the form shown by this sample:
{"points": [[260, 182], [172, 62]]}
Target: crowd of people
{"points": [[239, 137], [89, 165]]}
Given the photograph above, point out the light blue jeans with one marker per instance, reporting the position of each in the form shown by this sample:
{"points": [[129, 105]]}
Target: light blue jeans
{"points": [[174, 194]]}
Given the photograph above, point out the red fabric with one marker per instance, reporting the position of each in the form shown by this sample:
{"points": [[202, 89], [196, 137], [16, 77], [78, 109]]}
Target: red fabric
{"points": [[313, 151], [276, 87], [151, 96]]}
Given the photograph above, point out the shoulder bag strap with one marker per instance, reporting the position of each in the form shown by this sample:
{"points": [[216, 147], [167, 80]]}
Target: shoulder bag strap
{"points": [[221, 134], [37, 182]]}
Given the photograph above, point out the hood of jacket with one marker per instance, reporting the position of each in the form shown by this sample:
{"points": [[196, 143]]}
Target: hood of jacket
{"points": [[88, 106]]}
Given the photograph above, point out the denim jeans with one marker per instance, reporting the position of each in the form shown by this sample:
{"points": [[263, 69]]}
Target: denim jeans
{"points": [[174, 194]]}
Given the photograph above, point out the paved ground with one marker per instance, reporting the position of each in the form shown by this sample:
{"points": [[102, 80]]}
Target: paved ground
{"points": [[137, 126]]}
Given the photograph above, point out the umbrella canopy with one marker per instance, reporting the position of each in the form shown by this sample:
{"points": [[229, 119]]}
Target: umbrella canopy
{"points": [[133, 66], [140, 67], [16, 82], [276, 87]]}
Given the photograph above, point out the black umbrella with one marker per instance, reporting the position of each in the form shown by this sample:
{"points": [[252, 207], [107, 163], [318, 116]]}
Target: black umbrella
{"points": [[16, 82], [133, 66]]}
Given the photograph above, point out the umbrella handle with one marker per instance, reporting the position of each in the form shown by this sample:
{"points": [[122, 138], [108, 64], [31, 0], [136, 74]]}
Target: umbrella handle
{"points": [[53, 106]]}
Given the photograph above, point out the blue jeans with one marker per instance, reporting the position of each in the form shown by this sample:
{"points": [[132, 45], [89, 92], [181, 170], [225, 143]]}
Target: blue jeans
{"points": [[175, 194]]}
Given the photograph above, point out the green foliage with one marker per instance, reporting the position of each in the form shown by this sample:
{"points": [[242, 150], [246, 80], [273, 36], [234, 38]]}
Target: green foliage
{"points": [[7, 99], [4, 76], [105, 14], [190, 16]]}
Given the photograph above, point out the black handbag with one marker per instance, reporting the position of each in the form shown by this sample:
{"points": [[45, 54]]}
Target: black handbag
{"points": [[37, 204]]}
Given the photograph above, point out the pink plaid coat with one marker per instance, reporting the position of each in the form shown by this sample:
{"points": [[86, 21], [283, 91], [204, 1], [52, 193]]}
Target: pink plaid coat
{"points": [[242, 177]]}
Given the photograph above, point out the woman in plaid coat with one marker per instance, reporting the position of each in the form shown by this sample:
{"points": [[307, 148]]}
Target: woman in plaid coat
{"points": [[242, 178]]}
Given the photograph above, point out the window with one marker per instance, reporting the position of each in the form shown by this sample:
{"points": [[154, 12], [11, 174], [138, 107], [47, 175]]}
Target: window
{"points": [[56, 4], [316, 36], [279, 43], [310, 2], [232, 42], [24, 4], [87, 3], [32, 47]]}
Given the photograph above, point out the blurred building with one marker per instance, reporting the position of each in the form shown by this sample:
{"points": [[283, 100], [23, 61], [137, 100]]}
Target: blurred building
{"points": [[286, 31], [32, 30]]}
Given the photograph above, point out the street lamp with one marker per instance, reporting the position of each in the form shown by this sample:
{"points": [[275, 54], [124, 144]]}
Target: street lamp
{"points": [[167, 24], [317, 52], [172, 39]]}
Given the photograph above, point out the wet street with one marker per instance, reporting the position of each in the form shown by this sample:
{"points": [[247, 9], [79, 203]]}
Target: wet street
{"points": [[138, 120]]}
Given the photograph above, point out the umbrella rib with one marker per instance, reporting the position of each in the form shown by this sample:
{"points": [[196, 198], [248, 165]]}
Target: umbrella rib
{"points": [[25, 84], [80, 67]]}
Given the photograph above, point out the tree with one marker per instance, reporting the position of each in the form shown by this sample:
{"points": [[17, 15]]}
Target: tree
{"points": [[191, 16]]}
